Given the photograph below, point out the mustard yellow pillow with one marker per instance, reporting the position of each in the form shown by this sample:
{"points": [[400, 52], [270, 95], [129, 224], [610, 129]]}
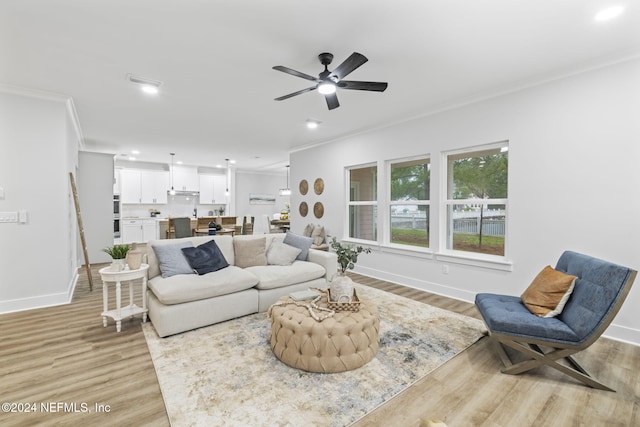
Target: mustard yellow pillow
{"points": [[547, 295]]}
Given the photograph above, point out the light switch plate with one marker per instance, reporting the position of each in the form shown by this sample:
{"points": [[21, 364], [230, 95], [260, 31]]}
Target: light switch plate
{"points": [[8, 216], [1, 193]]}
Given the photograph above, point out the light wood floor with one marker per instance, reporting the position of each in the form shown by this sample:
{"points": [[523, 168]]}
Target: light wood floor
{"points": [[63, 354]]}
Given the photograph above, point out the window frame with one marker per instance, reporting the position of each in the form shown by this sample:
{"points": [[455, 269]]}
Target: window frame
{"points": [[350, 203], [474, 258], [388, 203]]}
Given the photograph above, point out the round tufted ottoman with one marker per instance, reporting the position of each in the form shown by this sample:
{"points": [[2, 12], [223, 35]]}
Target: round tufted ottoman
{"points": [[340, 343]]}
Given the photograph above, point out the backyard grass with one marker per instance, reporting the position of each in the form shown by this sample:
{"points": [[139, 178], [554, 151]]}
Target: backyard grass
{"points": [[493, 245]]}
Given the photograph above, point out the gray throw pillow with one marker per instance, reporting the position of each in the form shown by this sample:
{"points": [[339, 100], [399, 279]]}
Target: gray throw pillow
{"points": [[281, 254], [301, 242], [171, 260]]}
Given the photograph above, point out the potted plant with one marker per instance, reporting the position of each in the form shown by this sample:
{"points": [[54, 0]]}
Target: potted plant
{"points": [[341, 288], [119, 254]]}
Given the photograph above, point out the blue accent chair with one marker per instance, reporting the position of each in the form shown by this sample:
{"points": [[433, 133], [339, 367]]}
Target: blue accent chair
{"points": [[600, 290]]}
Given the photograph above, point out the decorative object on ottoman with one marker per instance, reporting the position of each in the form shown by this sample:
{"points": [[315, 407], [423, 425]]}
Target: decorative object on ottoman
{"points": [[343, 302], [341, 284], [118, 253], [337, 343]]}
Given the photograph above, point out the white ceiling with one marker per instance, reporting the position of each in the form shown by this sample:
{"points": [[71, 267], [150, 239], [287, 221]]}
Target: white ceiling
{"points": [[214, 58]]}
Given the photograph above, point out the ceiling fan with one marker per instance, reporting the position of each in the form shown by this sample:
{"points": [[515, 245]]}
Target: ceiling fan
{"points": [[327, 81]]}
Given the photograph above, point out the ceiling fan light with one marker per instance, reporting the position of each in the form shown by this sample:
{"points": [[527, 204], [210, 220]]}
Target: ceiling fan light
{"points": [[327, 88]]}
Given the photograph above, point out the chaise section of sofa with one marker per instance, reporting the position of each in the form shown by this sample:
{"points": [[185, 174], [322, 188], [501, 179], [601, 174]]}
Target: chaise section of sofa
{"points": [[188, 301]]}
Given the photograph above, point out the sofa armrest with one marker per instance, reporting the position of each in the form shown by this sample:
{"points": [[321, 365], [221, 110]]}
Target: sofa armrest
{"points": [[329, 260]]}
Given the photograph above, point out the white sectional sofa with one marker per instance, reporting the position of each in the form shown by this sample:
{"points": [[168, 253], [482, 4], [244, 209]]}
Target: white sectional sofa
{"points": [[187, 300]]}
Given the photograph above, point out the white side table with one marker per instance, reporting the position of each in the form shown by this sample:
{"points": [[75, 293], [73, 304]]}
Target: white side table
{"points": [[130, 310]]}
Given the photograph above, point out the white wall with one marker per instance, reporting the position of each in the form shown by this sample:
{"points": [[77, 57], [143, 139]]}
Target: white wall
{"points": [[95, 193], [573, 181], [39, 149], [246, 183]]}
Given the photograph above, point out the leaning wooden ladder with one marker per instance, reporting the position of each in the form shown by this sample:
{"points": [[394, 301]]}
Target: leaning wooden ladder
{"points": [[81, 229]]}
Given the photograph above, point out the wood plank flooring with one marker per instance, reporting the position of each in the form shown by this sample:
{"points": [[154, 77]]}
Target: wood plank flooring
{"points": [[62, 355]]}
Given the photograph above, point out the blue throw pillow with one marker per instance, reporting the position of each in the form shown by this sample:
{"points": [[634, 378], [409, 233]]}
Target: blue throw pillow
{"points": [[301, 242], [205, 258], [171, 260]]}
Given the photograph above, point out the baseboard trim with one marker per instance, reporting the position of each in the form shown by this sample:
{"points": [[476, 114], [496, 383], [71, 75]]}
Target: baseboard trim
{"points": [[623, 334], [412, 282], [40, 301]]}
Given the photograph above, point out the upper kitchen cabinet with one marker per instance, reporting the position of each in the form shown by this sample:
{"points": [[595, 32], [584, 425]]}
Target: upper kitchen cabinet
{"points": [[185, 178], [153, 187], [212, 189], [148, 187]]}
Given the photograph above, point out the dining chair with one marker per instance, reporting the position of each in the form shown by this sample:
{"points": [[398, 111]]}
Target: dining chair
{"points": [[182, 227]]}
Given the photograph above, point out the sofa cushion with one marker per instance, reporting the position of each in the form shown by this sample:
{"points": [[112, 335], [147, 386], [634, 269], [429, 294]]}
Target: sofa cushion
{"points": [[250, 252], [547, 295], [281, 254], [301, 242], [278, 276], [171, 259], [191, 287], [205, 258]]}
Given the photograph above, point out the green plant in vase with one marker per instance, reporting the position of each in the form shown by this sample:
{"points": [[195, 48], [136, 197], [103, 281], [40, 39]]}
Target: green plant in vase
{"points": [[119, 254], [347, 254], [341, 287]]}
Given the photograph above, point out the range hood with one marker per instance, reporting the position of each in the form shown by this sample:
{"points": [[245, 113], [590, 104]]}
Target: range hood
{"points": [[184, 193]]}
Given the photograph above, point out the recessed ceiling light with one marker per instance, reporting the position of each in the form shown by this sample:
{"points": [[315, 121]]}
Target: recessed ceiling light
{"points": [[233, 162], [218, 166], [312, 124], [151, 90], [149, 86], [136, 152], [609, 13], [179, 162], [132, 159]]}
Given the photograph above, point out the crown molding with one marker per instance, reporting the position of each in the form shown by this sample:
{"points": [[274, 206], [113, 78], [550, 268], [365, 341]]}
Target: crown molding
{"points": [[50, 96]]}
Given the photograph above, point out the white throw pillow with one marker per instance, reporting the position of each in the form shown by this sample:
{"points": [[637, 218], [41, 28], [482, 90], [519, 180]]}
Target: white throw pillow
{"points": [[281, 254]]}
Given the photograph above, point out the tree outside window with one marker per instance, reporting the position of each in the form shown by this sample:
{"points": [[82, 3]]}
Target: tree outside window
{"points": [[409, 202], [477, 200]]}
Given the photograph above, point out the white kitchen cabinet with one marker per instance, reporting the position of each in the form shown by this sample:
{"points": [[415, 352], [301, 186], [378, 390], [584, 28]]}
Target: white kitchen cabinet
{"points": [[139, 230], [185, 178], [148, 187], [130, 186], [131, 231], [212, 189], [153, 187]]}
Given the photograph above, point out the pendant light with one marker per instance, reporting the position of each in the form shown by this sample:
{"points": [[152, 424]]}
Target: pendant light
{"points": [[286, 191], [226, 192], [172, 192]]}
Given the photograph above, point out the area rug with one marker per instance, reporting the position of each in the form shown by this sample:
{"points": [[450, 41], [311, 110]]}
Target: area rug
{"points": [[226, 374]]}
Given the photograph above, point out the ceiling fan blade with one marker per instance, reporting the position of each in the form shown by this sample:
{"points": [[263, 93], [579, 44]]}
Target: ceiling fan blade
{"points": [[351, 63], [295, 73], [332, 101], [295, 93], [356, 85]]}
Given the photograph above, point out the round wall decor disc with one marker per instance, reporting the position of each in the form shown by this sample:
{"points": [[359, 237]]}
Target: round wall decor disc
{"points": [[318, 186], [303, 209], [318, 210], [303, 187]]}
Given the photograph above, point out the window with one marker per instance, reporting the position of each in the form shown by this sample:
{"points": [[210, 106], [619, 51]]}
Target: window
{"points": [[409, 202], [363, 205], [476, 204]]}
